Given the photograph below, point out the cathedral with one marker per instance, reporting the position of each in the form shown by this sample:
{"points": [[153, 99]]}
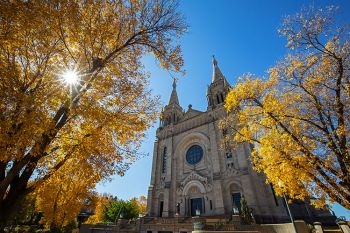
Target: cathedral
{"points": [[192, 175]]}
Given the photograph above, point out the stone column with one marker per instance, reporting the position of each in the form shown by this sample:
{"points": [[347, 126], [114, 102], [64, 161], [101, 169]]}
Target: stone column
{"points": [[170, 155], [154, 162], [318, 227], [170, 182], [214, 152], [344, 227], [219, 202], [166, 203], [150, 200]]}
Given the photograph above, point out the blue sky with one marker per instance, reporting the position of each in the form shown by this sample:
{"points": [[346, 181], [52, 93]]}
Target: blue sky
{"points": [[243, 37]]}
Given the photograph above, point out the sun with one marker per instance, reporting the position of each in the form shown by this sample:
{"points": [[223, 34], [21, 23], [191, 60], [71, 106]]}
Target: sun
{"points": [[71, 77]]}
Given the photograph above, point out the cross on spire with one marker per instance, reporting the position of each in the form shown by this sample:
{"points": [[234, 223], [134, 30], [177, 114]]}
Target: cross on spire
{"points": [[173, 97], [214, 61], [217, 75], [174, 82]]}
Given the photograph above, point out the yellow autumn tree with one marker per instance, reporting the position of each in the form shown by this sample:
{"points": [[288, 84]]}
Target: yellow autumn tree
{"points": [[298, 117], [102, 203], [142, 203], [61, 197], [95, 123]]}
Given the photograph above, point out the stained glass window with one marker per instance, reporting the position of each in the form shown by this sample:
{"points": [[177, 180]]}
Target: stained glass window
{"points": [[164, 161], [194, 154]]}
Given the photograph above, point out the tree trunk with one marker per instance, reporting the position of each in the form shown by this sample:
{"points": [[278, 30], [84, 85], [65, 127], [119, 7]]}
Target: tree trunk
{"points": [[18, 190], [10, 205]]}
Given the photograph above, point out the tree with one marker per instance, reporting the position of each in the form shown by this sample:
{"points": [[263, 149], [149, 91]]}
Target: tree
{"points": [[246, 216], [121, 209], [96, 122], [107, 209], [26, 213], [68, 193], [142, 203], [298, 117], [102, 204]]}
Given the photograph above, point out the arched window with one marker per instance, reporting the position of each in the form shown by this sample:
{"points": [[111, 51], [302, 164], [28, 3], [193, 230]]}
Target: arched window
{"points": [[222, 97], [164, 158], [194, 154], [217, 98]]}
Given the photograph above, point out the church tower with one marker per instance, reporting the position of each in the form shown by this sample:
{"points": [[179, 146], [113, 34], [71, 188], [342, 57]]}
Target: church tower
{"points": [[218, 88], [172, 112]]}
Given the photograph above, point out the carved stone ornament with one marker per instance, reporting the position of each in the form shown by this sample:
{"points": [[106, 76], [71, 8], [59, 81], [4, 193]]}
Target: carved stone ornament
{"points": [[231, 171], [162, 181], [194, 176]]}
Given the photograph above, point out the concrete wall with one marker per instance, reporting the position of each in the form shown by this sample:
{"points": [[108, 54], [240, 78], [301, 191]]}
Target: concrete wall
{"points": [[344, 227], [278, 228], [285, 228]]}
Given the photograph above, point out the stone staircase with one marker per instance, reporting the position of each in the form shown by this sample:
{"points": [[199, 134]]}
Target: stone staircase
{"points": [[228, 225], [231, 227], [211, 225]]}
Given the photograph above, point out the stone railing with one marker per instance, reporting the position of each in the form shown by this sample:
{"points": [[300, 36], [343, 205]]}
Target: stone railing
{"points": [[343, 228]]}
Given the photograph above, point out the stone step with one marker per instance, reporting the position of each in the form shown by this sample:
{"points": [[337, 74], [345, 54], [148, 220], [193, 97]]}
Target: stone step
{"points": [[226, 232]]}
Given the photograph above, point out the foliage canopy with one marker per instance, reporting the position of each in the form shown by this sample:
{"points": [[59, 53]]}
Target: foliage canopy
{"points": [[298, 117], [52, 132], [120, 209]]}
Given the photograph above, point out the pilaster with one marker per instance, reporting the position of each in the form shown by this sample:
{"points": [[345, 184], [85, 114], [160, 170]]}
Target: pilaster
{"points": [[150, 210], [170, 151], [166, 203], [219, 201], [154, 162], [214, 152]]}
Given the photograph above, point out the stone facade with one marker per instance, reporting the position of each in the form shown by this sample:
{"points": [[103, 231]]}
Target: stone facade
{"points": [[187, 179]]}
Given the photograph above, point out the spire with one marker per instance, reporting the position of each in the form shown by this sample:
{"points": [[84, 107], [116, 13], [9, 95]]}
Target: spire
{"points": [[173, 97], [217, 75]]}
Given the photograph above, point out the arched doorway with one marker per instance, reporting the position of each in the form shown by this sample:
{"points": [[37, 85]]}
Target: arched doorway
{"points": [[235, 193], [160, 205], [194, 198], [196, 201]]}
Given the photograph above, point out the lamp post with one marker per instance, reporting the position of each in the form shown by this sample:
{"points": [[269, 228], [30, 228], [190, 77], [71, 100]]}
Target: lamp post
{"points": [[235, 210], [280, 183], [177, 209], [198, 223], [198, 212]]}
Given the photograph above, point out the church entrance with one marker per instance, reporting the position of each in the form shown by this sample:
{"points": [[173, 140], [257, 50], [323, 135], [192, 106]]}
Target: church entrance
{"points": [[236, 200], [196, 203], [161, 204]]}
